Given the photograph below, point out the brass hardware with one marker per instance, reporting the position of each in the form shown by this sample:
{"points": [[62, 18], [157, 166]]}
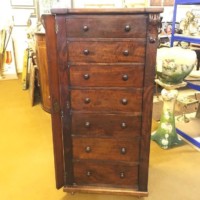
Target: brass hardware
{"points": [[85, 28], [86, 76], [123, 150], [123, 125], [89, 173], [152, 40], [88, 149], [127, 28], [86, 52], [126, 53], [122, 175], [124, 101], [87, 124], [125, 77], [87, 100]]}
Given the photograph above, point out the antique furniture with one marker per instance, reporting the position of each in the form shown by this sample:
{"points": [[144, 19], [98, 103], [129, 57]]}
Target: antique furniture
{"points": [[101, 71], [41, 57]]}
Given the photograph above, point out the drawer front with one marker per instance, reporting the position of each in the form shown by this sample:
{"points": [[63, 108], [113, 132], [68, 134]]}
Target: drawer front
{"points": [[108, 125], [106, 149], [107, 27], [107, 100], [107, 51], [92, 173], [112, 76]]}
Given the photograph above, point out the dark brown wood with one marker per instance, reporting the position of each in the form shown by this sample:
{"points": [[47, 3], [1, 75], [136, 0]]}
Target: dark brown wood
{"points": [[49, 21], [107, 51], [106, 125], [149, 74], [102, 100], [97, 173], [97, 26], [106, 68], [43, 71], [106, 149], [113, 75]]}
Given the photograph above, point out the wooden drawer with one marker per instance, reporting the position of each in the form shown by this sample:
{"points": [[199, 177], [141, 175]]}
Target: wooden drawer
{"points": [[116, 174], [107, 51], [107, 26], [112, 75], [106, 148], [107, 125], [107, 100]]}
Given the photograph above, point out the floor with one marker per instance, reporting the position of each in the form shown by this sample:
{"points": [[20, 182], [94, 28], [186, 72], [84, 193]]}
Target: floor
{"points": [[26, 157]]}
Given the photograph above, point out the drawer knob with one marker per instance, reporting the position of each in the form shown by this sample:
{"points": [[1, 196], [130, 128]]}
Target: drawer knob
{"points": [[88, 149], [86, 52], [85, 28], [87, 100], [124, 101], [127, 28], [125, 77], [122, 175], [88, 173], [123, 125], [152, 40], [126, 53], [87, 124], [123, 150], [86, 76]]}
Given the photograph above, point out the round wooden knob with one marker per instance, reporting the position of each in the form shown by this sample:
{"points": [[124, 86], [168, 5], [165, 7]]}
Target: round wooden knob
{"points": [[86, 76], [86, 52], [87, 124], [125, 77], [88, 149], [123, 150], [152, 40], [124, 101], [88, 173], [87, 100], [126, 53], [122, 175], [85, 28], [123, 125], [127, 28]]}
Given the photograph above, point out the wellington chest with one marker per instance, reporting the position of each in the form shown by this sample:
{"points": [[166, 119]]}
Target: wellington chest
{"points": [[101, 76]]}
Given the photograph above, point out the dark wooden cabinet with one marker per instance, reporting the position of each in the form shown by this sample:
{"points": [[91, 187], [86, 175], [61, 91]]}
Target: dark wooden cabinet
{"points": [[41, 57], [101, 76]]}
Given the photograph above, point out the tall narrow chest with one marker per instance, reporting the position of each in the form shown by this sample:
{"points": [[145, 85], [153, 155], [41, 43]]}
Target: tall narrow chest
{"points": [[101, 71]]}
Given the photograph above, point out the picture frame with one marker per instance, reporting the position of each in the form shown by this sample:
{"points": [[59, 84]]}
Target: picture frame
{"points": [[22, 3], [21, 15]]}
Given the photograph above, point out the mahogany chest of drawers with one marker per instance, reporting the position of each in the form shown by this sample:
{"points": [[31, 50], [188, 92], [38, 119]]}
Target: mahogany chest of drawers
{"points": [[101, 71]]}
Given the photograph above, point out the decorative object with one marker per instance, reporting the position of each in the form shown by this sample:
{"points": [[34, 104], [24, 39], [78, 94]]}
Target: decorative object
{"points": [[22, 3], [189, 25], [173, 65]]}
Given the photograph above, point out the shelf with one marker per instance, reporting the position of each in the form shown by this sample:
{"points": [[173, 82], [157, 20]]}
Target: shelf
{"points": [[194, 85], [192, 39], [187, 2], [177, 37], [190, 132]]}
